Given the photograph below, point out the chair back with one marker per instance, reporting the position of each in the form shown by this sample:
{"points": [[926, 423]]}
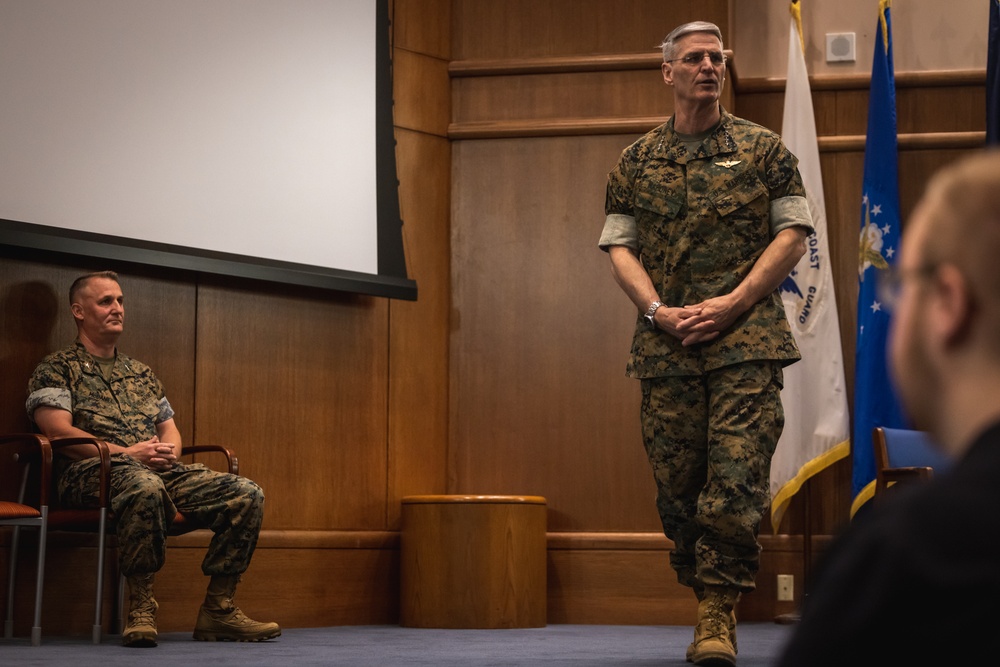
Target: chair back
{"points": [[904, 454]]}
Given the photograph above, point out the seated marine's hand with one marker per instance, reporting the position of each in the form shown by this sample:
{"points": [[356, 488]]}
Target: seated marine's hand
{"points": [[154, 454]]}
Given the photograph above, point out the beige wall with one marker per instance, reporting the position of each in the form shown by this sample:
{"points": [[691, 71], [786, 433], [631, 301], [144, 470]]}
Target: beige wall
{"points": [[928, 35]]}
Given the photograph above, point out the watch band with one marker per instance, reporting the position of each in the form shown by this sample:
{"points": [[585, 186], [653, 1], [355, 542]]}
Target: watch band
{"points": [[651, 312]]}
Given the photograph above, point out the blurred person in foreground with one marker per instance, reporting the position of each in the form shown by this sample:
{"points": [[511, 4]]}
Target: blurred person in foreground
{"points": [[916, 580]]}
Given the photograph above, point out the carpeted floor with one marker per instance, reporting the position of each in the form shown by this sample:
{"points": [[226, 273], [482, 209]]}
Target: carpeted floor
{"points": [[386, 646]]}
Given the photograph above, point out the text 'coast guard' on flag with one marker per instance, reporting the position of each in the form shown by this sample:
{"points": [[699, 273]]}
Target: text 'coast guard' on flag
{"points": [[875, 402], [817, 424]]}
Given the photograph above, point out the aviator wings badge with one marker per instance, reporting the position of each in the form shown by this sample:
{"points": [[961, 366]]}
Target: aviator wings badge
{"points": [[729, 164]]}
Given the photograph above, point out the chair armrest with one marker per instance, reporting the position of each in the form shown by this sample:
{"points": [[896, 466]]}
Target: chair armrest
{"points": [[899, 474], [37, 448], [103, 453], [232, 461]]}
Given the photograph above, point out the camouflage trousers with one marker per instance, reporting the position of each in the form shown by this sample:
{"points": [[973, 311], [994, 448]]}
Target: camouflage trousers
{"points": [[144, 503], [709, 439]]}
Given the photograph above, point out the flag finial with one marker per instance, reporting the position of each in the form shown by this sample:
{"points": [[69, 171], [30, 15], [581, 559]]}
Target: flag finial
{"points": [[883, 7], [796, 11]]}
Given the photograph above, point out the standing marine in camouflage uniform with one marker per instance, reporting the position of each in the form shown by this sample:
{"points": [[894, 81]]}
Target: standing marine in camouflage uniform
{"points": [[91, 389], [706, 215]]}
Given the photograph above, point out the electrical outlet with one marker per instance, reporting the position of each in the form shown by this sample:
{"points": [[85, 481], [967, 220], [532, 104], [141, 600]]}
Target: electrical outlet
{"points": [[786, 588]]}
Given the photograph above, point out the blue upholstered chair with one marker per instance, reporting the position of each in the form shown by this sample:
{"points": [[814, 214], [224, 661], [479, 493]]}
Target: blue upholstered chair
{"points": [[903, 455]]}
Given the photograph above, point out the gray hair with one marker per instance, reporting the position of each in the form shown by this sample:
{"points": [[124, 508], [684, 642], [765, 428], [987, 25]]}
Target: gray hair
{"points": [[669, 45]]}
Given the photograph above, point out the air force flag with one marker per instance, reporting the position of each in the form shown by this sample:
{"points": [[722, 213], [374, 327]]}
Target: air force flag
{"points": [[875, 402]]}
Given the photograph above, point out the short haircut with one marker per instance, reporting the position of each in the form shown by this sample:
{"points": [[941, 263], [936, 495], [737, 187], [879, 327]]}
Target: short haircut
{"points": [[82, 281], [963, 210], [669, 45]]}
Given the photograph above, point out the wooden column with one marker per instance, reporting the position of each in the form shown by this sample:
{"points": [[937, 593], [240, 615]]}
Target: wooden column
{"points": [[473, 562]]}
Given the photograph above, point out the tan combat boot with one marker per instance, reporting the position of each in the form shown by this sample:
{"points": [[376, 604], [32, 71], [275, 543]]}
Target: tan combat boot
{"points": [[689, 655], [716, 629], [220, 620], [140, 629]]}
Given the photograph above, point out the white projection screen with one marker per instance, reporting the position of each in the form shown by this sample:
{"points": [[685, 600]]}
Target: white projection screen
{"points": [[250, 138]]}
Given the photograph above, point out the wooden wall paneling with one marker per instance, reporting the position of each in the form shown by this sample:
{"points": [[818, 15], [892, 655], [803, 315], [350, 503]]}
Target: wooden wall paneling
{"points": [[528, 28], [422, 26], [295, 382], [419, 331], [625, 578], [299, 580], [34, 320], [639, 92], [421, 93], [761, 108], [782, 554], [617, 587], [540, 336], [68, 600], [916, 167], [941, 109]]}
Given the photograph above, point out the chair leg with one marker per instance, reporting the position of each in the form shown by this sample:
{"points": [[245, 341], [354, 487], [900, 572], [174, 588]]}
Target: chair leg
{"points": [[8, 626], [102, 532], [36, 628]]}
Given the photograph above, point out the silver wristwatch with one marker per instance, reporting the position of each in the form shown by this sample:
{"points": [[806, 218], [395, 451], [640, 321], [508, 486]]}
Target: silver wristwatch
{"points": [[650, 312]]}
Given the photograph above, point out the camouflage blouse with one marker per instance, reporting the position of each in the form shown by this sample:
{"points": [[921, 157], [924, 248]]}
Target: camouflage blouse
{"points": [[123, 410], [702, 221]]}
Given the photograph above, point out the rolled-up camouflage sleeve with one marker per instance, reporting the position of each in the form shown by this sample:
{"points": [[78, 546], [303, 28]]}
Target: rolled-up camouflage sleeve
{"points": [[619, 223], [619, 229], [166, 412], [48, 388], [790, 212], [50, 397]]}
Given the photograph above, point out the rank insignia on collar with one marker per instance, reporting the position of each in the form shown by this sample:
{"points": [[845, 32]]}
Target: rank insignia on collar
{"points": [[729, 164]]}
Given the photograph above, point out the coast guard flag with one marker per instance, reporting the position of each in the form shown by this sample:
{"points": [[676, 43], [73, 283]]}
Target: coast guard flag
{"points": [[817, 424], [875, 403], [992, 76]]}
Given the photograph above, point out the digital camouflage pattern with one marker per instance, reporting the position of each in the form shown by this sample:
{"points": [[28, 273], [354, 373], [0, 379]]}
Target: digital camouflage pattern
{"points": [[703, 220], [712, 480], [145, 501], [124, 411]]}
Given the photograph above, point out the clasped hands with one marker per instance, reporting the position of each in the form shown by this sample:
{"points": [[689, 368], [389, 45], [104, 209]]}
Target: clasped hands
{"points": [[700, 322], [154, 454]]}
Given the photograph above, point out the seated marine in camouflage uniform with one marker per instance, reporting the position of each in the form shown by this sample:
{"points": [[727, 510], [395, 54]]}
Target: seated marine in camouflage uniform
{"points": [[91, 389]]}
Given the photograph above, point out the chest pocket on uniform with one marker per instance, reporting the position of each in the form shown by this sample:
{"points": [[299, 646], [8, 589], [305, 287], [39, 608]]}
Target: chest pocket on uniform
{"points": [[741, 190], [652, 197], [743, 203]]}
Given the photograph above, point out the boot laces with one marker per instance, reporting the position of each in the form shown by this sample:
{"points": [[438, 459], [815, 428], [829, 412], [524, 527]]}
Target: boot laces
{"points": [[717, 620], [143, 612], [239, 618]]}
